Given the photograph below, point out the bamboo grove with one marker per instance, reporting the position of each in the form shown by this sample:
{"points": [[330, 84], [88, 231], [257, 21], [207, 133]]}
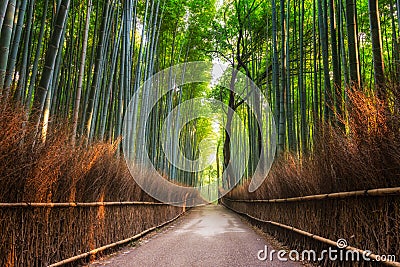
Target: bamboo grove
{"points": [[81, 61]]}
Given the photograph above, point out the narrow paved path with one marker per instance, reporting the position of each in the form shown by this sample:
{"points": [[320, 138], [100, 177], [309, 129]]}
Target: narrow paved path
{"points": [[207, 236]]}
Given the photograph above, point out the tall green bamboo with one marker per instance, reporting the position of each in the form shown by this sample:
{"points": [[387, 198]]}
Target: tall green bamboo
{"points": [[353, 43], [15, 47], [22, 81], [90, 109], [335, 59], [282, 118], [302, 89], [288, 77], [37, 57], [81, 72], [322, 21], [376, 40], [5, 40], [275, 68], [50, 60], [3, 8]]}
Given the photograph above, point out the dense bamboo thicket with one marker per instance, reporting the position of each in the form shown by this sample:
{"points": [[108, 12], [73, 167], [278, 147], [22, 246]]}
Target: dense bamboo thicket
{"points": [[364, 158], [58, 171], [82, 61], [332, 76], [68, 70], [329, 68]]}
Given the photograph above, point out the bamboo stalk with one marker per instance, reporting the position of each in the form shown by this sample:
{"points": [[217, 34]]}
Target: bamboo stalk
{"points": [[324, 240], [121, 242], [372, 192]]}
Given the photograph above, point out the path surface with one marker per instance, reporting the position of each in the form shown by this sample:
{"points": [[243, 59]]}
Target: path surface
{"points": [[207, 236]]}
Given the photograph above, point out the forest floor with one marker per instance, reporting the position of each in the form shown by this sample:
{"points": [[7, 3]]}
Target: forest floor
{"points": [[206, 236]]}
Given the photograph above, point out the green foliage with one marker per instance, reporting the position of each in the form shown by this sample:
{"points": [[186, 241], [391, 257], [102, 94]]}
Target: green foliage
{"points": [[237, 32]]}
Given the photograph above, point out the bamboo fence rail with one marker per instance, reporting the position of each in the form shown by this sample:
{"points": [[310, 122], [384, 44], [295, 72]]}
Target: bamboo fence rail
{"points": [[321, 239], [121, 242], [359, 193], [79, 204], [84, 204]]}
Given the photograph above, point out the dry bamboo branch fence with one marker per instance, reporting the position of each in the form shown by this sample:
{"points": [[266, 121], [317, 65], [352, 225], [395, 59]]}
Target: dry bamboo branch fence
{"points": [[121, 242], [329, 242], [39, 234], [371, 192]]}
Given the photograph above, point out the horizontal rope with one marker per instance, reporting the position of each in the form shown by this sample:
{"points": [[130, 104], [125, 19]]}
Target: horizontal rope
{"points": [[371, 192], [318, 238], [79, 204], [121, 242]]}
